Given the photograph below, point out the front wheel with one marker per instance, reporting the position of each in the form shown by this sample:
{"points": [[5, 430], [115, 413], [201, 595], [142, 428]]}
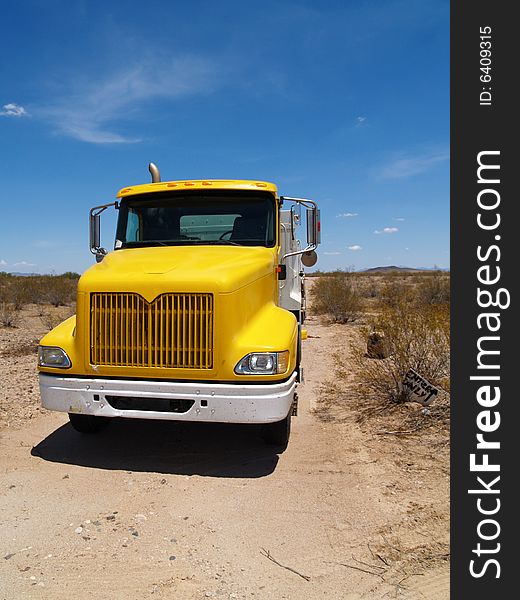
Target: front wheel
{"points": [[277, 434], [87, 423]]}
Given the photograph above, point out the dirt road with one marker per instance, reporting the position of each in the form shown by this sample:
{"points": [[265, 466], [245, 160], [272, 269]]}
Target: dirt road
{"points": [[161, 510]]}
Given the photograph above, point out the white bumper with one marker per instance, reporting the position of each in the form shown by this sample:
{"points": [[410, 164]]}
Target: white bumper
{"points": [[220, 402]]}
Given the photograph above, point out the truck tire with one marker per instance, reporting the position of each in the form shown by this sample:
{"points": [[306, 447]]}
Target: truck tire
{"points": [[277, 434], [87, 423]]}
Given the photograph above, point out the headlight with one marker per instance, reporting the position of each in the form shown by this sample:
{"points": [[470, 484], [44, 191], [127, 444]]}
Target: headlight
{"points": [[52, 356], [263, 363]]}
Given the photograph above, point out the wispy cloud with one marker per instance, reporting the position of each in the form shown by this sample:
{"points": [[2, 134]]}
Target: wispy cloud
{"points": [[3, 263], [398, 219], [90, 112], [347, 215], [355, 248], [361, 121], [409, 166], [13, 110], [331, 253], [387, 230], [23, 263]]}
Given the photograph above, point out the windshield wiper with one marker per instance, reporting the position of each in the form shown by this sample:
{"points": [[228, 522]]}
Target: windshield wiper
{"points": [[144, 244], [217, 243], [187, 242]]}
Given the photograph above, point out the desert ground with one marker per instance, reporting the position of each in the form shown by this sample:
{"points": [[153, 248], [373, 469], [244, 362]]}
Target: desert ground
{"points": [[357, 507]]}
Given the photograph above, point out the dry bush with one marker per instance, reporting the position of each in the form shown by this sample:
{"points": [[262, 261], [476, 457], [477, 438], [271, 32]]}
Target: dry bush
{"points": [[417, 338], [370, 286], [335, 273], [371, 290], [8, 315], [337, 298], [60, 290], [57, 290], [19, 292], [434, 289], [431, 289], [52, 318], [32, 289], [394, 295]]}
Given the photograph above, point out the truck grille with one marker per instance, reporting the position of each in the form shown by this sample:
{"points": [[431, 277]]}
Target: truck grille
{"points": [[173, 331]]}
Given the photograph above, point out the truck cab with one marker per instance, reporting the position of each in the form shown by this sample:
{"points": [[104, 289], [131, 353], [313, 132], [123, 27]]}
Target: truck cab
{"points": [[195, 314]]}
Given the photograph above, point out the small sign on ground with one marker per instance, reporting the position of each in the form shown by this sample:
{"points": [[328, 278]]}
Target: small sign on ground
{"points": [[419, 389]]}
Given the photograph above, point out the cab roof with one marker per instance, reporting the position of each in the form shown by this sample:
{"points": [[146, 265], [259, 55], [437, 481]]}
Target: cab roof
{"points": [[206, 184]]}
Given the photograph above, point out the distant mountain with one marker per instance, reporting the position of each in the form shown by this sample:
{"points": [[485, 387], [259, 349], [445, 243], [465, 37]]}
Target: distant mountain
{"points": [[400, 269]]}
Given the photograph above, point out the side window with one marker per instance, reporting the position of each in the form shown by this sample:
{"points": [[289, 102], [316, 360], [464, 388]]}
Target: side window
{"points": [[133, 231]]}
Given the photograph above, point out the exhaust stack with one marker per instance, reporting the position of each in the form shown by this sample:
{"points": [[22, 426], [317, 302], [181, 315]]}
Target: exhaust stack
{"points": [[154, 172]]}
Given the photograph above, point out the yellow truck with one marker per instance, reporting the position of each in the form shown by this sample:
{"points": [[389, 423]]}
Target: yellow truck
{"points": [[196, 315]]}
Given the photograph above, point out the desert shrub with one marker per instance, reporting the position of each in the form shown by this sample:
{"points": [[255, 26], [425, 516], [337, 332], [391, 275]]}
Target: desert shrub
{"points": [[335, 273], [370, 286], [19, 292], [337, 298], [36, 289], [417, 338], [60, 290], [434, 289], [52, 318], [8, 315], [4, 291], [431, 289], [57, 290], [395, 294], [371, 290]]}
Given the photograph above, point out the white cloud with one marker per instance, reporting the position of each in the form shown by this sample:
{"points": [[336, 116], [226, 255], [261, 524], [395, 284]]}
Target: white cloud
{"points": [[88, 111], [360, 121], [3, 263], [398, 219], [407, 167], [24, 263], [13, 110], [347, 215], [387, 230], [331, 253], [355, 248]]}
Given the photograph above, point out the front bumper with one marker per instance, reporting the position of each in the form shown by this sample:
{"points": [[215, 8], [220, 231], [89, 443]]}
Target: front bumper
{"points": [[218, 403]]}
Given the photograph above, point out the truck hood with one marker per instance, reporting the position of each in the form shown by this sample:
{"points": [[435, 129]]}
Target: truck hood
{"points": [[152, 271]]}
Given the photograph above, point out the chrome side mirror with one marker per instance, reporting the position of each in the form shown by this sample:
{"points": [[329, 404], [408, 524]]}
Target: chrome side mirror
{"points": [[310, 258], [313, 227], [95, 231], [95, 221]]}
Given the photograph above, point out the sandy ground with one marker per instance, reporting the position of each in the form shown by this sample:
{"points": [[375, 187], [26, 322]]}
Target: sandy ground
{"points": [[163, 510]]}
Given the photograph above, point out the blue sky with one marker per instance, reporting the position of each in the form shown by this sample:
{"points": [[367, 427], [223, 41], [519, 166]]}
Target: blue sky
{"points": [[343, 102]]}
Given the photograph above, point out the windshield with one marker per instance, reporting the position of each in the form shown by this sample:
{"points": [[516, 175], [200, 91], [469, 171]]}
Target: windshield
{"points": [[223, 217]]}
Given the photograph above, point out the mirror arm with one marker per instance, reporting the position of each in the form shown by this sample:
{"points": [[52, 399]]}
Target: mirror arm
{"points": [[303, 201], [309, 248]]}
